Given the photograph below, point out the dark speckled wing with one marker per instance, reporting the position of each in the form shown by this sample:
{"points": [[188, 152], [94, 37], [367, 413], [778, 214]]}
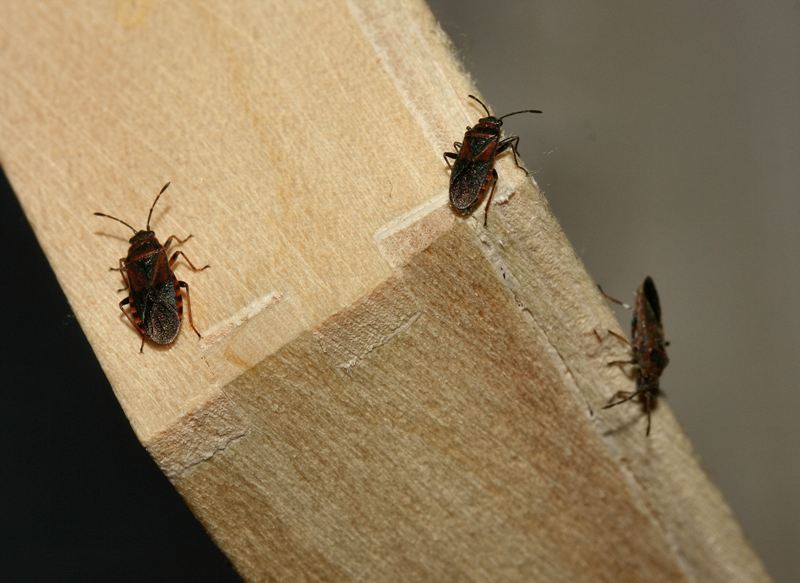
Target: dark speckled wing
{"points": [[651, 295], [158, 310], [467, 181]]}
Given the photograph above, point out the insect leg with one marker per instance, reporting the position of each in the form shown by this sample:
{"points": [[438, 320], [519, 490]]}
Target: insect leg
{"points": [[122, 272], [620, 362], [627, 396], [631, 374], [168, 242], [451, 155], [185, 286], [174, 258], [648, 407], [489, 200], [513, 143], [612, 299], [619, 337], [124, 302]]}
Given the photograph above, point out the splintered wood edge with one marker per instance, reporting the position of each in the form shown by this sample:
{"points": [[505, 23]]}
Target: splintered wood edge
{"points": [[210, 428]]}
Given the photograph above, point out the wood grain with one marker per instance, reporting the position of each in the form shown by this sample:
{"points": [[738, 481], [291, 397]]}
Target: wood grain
{"points": [[383, 390]]}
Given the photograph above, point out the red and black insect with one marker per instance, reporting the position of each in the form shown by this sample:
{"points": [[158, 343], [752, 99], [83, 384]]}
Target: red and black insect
{"points": [[473, 172], [156, 305], [648, 349]]}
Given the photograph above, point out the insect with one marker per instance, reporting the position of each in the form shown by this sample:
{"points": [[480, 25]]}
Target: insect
{"points": [[473, 173], [648, 349], [156, 304]]}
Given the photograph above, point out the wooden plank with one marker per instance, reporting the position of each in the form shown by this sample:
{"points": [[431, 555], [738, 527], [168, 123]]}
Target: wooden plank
{"points": [[383, 390]]}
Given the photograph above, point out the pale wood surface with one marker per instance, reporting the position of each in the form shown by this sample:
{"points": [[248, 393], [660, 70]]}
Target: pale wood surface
{"points": [[383, 390]]}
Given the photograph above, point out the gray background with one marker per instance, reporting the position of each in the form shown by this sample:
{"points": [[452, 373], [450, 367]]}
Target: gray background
{"points": [[669, 146]]}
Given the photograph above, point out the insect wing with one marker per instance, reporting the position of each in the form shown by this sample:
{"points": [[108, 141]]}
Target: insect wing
{"points": [[467, 182], [471, 170], [158, 309], [648, 333], [650, 296]]}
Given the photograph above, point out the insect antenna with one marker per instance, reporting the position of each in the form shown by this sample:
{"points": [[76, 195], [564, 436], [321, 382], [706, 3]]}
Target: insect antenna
{"points": [[521, 111], [482, 103], [115, 219], [150, 214]]}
